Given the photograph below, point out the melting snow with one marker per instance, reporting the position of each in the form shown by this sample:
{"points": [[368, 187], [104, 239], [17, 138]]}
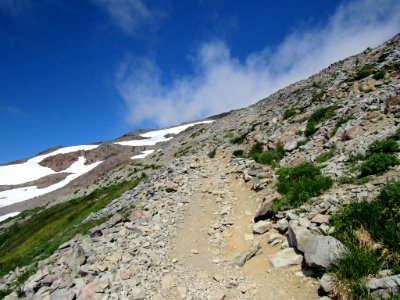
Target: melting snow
{"points": [[78, 168], [143, 155], [13, 214], [31, 170], [156, 136]]}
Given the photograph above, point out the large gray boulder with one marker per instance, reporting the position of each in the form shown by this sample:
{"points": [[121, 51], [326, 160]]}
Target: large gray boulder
{"points": [[321, 251], [298, 236]]}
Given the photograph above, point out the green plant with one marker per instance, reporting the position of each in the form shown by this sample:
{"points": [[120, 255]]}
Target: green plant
{"points": [[302, 143], [238, 153], [290, 112], [212, 153], [299, 184], [239, 139], [353, 180], [379, 75], [257, 148], [360, 225], [364, 72], [270, 157], [377, 163], [323, 157], [342, 120], [384, 146], [183, 151], [318, 116]]}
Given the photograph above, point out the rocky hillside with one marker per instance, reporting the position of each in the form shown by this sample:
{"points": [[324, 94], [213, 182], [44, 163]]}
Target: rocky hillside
{"points": [[294, 197]]}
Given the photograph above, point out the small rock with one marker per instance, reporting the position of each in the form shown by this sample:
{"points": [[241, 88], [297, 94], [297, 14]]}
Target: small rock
{"points": [[245, 255], [261, 227], [298, 236], [327, 282], [320, 219], [138, 293], [285, 258]]}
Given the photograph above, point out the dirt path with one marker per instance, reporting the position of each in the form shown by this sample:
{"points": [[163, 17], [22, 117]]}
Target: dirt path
{"points": [[217, 227]]}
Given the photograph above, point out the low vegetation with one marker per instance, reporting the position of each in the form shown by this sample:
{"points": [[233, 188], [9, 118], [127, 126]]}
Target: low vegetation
{"points": [[317, 117], [323, 157], [212, 153], [290, 112], [361, 226], [238, 153], [46, 229], [270, 157], [239, 139], [299, 184]]}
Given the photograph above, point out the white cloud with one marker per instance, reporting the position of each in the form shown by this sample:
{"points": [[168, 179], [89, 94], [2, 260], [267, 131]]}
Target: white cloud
{"points": [[129, 15], [221, 82]]}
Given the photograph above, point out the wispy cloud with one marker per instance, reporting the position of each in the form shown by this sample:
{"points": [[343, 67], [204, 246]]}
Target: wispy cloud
{"points": [[129, 15], [221, 82]]}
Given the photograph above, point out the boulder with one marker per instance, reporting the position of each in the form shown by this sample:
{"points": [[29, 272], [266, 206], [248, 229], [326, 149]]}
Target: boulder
{"points": [[285, 258], [321, 251], [282, 225], [265, 207], [298, 236]]}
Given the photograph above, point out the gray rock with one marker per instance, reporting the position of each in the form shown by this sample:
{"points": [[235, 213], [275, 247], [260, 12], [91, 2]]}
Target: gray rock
{"points": [[282, 225], [327, 282], [391, 282], [261, 227], [245, 255], [62, 294], [298, 236], [285, 258], [381, 294], [321, 251], [138, 293]]}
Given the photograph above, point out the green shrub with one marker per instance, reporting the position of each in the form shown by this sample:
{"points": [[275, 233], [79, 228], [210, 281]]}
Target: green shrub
{"points": [[318, 116], [257, 148], [340, 122], [212, 153], [238, 153], [353, 267], [379, 75], [377, 163], [323, 157], [396, 135], [385, 146], [270, 157], [364, 72], [353, 180], [302, 143], [239, 139], [299, 184], [289, 113]]}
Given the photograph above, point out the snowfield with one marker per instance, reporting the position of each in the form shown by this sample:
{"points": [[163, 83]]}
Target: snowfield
{"points": [[31, 170], [156, 136], [77, 169]]}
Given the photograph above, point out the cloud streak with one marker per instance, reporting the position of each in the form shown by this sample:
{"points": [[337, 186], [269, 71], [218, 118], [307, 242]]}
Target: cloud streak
{"points": [[129, 15], [221, 82]]}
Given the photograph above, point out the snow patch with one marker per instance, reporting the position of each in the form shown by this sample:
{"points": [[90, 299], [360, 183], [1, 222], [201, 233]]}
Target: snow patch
{"points": [[143, 154], [31, 170], [156, 136], [78, 168], [13, 214]]}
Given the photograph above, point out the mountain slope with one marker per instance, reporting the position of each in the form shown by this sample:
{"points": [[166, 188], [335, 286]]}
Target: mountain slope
{"points": [[256, 204]]}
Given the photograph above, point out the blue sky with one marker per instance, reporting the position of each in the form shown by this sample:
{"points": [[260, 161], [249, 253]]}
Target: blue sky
{"points": [[75, 72]]}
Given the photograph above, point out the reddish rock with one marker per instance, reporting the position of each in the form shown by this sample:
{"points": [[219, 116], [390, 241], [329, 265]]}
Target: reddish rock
{"points": [[353, 132], [265, 207], [136, 214], [320, 219], [60, 162]]}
